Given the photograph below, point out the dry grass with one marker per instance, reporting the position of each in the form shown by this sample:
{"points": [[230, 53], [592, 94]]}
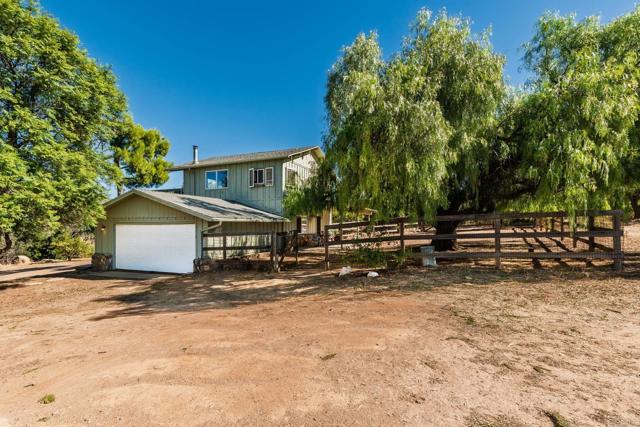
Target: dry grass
{"points": [[47, 399], [557, 419]]}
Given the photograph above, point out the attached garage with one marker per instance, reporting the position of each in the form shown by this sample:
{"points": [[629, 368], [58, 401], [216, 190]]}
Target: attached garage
{"points": [[155, 247], [160, 231]]}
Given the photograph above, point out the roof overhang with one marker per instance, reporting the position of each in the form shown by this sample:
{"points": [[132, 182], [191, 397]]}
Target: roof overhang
{"points": [[316, 150], [180, 207]]}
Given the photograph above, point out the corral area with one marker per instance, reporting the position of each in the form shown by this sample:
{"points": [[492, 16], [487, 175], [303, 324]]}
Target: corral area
{"points": [[460, 345]]}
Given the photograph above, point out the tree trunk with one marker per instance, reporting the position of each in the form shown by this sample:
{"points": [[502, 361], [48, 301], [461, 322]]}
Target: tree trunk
{"points": [[448, 227], [119, 185], [12, 138], [445, 227], [8, 244], [635, 204]]}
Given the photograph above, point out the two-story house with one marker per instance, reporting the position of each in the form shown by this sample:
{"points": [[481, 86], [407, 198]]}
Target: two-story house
{"points": [[162, 230]]}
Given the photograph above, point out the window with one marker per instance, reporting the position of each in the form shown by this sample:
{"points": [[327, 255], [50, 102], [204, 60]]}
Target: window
{"points": [[292, 178], [301, 224], [216, 180], [268, 176], [260, 177]]}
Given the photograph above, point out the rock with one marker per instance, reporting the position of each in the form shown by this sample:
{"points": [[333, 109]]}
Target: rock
{"points": [[344, 271], [373, 274], [21, 259], [101, 262]]}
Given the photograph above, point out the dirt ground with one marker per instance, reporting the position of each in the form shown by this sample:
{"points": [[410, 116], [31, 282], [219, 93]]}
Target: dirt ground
{"points": [[460, 345]]}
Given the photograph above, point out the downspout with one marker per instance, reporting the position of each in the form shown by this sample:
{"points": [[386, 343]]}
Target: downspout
{"points": [[219, 224]]}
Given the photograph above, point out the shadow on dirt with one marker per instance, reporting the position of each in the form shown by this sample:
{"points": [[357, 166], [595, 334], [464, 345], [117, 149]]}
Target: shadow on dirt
{"points": [[230, 289], [5, 286], [13, 275], [81, 272]]}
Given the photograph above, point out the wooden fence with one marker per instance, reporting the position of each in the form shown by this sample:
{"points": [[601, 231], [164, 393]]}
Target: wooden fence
{"points": [[498, 233]]}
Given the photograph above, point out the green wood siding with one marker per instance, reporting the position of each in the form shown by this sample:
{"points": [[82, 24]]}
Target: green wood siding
{"points": [[303, 166], [139, 210], [268, 198]]}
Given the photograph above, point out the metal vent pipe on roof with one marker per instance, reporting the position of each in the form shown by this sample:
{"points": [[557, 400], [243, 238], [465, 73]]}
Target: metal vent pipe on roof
{"points": [[195, 154]]}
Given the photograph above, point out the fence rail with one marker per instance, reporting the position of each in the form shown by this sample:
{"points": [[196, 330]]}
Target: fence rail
{"points": [[498, 235]]}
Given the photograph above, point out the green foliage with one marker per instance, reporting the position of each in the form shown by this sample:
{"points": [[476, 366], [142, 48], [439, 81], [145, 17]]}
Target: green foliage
{"points": [[59, 111], [435, 129], [138, 156], [403, 133], [56, 106], [47, 399], [314, 195], [578, 125], [375, 257], [67, 246], [25, 208]]}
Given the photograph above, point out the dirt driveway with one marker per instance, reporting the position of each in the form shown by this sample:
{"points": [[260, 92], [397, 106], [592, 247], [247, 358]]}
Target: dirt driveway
{"points": [[456, 346]]}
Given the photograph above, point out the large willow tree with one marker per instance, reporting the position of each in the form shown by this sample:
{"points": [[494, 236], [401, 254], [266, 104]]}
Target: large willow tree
{"points": [[412, 135], [577, 127], [434, 129]]}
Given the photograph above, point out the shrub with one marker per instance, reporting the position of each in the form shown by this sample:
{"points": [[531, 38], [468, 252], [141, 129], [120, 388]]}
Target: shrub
{"points": [[68, 246], [377, 258], [46, 399]]}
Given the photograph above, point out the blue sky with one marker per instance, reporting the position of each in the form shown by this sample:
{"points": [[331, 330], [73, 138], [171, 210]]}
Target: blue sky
{"points": [[238, 76]]}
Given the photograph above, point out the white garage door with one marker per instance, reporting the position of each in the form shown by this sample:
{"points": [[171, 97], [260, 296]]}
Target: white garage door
{"points": [[168, 248]]}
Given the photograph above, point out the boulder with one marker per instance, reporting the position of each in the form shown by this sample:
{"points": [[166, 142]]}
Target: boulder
{"points": [[21, 259]]}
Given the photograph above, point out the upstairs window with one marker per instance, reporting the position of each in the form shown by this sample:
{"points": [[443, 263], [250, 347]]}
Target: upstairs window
{"points": [[216, 180], [260, 177], [292, 178]]}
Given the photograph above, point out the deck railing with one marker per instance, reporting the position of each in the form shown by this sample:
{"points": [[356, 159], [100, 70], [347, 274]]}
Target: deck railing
{"points": [[234, 244]]}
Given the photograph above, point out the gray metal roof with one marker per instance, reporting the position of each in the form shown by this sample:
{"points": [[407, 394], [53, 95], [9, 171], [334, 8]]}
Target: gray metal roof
{"points": [[248, 157], [207, 208]]}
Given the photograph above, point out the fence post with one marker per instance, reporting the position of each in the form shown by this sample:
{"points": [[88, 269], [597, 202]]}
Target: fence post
{"points": [[224, 246], [497, 223], [296, 243], [617, 242], [341, 244], [590, 226], [274, 252], [401, 235], [326, 247], [562, 228]]}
